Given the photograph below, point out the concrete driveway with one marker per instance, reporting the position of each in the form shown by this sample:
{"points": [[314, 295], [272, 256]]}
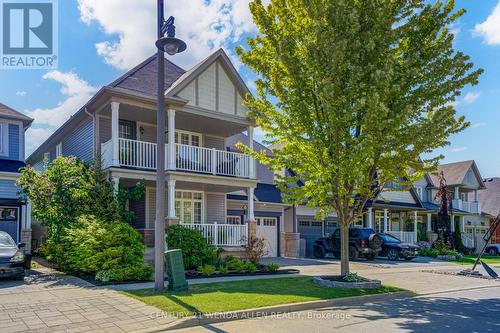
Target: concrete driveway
{"points": [[48, 301]]}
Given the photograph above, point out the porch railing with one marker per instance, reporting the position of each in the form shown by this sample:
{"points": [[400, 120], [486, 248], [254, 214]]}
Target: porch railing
{"points": [[468, 206], [221, 234], [405, 236], [141, 154]]}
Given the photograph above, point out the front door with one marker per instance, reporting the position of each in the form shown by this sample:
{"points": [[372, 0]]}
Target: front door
{"points": [[9, 221], [267, 228]]}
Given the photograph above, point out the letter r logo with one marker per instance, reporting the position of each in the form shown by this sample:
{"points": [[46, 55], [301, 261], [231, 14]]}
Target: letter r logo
{"points": [[27, 27]]}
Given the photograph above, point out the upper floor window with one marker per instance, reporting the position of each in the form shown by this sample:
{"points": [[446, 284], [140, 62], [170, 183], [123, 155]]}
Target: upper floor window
{"points": [[4, 145], [59, 149], [419, 192], [188, 138]]}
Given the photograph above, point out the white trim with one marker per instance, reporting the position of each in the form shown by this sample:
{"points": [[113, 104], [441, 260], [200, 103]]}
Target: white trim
{"points": [[146, 218], [4, 140]]}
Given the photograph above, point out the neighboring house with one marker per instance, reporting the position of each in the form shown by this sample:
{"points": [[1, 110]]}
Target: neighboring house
{"points": [[490, 202], [15, 211], [204, 109]]}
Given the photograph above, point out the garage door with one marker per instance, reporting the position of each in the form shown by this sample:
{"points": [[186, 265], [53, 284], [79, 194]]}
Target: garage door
{"points": [[9, 221], [267, 228], [310, 230]]}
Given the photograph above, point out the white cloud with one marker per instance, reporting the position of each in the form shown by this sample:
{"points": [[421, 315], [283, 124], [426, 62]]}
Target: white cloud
{"points": [[21, 93], [478, 125], [458, 149], [204, 25], [490, 28], [76, 93], [471, 97]]}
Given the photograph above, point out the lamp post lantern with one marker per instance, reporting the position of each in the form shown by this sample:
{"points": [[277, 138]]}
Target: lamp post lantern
{"points": [[171, 45]]}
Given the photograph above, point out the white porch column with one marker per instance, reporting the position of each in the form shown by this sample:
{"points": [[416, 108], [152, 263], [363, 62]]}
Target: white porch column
{"points": [[429, 222], [452, 224], [171, 140], [116, 184], [385, 219], [370, 217], [251, 167], [457, 194], [171, 198], [475, 195], [251, 215], [462, 223], [115, 118], [28, 214], [415, 225]]}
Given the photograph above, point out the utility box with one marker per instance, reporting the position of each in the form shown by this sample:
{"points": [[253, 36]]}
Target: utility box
{"points": [[175, 270]]}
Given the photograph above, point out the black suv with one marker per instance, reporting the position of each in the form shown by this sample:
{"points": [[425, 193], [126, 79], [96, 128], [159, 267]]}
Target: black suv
{"points": [[363, 242]]}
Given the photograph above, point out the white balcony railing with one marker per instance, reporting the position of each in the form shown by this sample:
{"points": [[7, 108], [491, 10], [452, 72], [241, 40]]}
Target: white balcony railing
{"points": [[405, 236], [471, 207], [141, 154], [221, 234]]}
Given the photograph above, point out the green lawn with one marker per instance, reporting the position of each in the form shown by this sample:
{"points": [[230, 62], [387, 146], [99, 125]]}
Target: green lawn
{"points": [[238, 295], [470, 259]]}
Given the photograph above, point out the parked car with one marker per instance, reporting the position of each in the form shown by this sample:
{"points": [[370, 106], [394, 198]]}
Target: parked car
{"points": [[363, 242], [493, 249], [393, 248], [12, 259]]}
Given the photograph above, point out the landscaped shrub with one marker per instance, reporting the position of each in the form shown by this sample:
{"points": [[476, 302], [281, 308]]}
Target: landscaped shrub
{"points": [[255, 249], [272, 267], [207, 269], [250, 267], [223, 269], [127, 273], [195, 249], [237, 265], [92, 245], [428, 252]]}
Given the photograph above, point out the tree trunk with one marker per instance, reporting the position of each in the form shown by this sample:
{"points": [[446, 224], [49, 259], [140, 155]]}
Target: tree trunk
{"points": [[344, 248]]}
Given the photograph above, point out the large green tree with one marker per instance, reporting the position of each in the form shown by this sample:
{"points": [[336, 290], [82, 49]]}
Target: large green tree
{"points": [[353, 92]]}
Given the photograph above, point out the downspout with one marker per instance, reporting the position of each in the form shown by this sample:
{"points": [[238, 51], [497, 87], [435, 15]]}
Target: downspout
{"points": [[93, 131]]}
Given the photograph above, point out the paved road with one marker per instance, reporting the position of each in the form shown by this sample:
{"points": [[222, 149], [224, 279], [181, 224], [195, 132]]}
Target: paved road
{"points": [[462, 311]]}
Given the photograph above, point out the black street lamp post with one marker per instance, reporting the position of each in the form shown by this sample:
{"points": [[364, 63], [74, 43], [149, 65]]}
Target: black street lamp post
{"points": [[171, 45]]}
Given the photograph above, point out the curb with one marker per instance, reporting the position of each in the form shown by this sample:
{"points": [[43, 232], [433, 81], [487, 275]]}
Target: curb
{"points": [[283, 308]]}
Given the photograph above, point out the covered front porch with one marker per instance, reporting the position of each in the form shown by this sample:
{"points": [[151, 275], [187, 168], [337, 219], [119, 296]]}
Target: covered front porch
{"points": [[195, 201]]}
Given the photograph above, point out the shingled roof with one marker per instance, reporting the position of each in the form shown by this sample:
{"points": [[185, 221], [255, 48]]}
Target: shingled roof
{"points": [[454, 173], [143, 77], [490, 197], [10, 113]]}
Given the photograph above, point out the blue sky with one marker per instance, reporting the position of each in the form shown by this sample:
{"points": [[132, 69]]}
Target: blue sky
{"points": [[99, 40]]}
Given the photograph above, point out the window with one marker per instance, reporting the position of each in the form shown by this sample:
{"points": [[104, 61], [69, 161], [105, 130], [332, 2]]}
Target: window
{"points": [[126, 130], [59, 149], [233, 219], [4, 138], [189, 206], [188, 138], [419, 192]]}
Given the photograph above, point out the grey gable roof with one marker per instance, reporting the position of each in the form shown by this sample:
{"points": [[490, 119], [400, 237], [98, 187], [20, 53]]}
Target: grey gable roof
{"points": [[490, 197], [143, 77], [454, 173], [8, 112]]}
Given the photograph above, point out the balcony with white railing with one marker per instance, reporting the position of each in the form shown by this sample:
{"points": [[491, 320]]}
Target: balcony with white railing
{"points": [[221, 234], [142, 155], [468, 206]]}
